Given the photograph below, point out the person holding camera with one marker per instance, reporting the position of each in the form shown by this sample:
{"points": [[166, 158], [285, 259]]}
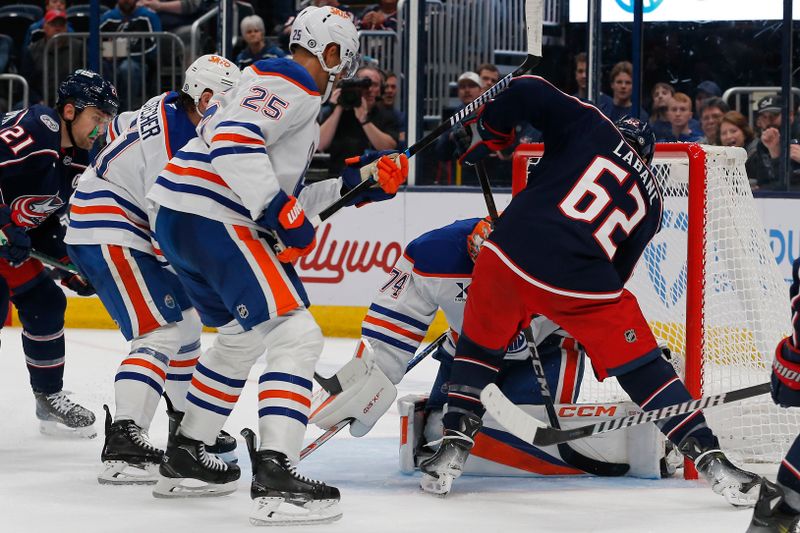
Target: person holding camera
{"points": [[763, 166], [357, 120]]}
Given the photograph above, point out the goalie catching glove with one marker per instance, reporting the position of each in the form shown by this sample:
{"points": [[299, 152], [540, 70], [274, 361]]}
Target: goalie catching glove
{"points": [[285, 217], [389, 170], [475, 140], [366, 394]]}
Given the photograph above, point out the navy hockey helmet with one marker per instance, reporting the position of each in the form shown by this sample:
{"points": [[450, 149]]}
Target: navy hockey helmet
{"points": [[84, 88], [639, 135]]}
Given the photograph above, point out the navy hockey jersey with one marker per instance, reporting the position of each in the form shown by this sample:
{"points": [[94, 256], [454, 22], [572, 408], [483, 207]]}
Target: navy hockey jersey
{"points": [[590, 206], [37, 176]]}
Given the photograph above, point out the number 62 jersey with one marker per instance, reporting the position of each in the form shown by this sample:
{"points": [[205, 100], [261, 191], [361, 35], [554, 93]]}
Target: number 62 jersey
{"points": [[591, 205]]}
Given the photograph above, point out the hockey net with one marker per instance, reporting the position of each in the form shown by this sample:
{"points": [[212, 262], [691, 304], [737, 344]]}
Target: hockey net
{"points": [[710, 288]]}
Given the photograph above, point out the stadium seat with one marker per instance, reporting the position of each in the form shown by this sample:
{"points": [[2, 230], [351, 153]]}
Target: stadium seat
{"points": [[15, 23], [35, 11], [78, 16]]}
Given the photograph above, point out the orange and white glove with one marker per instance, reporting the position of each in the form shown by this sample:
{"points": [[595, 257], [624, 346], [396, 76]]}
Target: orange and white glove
{"points": [[389, 170], [285, 217]]}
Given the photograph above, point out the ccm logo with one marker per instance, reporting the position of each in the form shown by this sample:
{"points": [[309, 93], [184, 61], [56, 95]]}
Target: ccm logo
{"points": [[587, 410], [372, 402]]}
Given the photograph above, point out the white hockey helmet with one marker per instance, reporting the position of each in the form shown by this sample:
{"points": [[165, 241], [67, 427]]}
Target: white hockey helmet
{"points": [[315, 28], [210, 72]]}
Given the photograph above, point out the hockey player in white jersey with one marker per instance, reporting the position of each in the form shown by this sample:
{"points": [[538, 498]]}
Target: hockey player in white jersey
{"points": [[222, 199], [110, 239]]}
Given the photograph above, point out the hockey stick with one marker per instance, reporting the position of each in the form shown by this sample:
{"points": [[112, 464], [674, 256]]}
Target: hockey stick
{"points": [[46, 259], [568, 454], [322, 439], [532, 430]]}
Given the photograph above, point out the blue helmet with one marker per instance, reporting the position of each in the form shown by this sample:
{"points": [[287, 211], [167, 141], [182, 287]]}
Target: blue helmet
{"points": [[639, 135], [84, 88]]}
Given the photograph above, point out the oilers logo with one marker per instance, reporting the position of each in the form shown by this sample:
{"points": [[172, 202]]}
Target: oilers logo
{"points": [[169, 301], [30, 211]]}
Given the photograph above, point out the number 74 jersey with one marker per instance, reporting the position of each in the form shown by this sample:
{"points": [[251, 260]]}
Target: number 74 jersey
{"points": [[591, 205]]}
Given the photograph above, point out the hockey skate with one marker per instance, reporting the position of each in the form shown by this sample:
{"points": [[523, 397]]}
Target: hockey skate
{"points": [[770, 515], [60, 416], [224, 448], [283, 497], [739, 487], [439, 471], [128, 457], [188, 471]]}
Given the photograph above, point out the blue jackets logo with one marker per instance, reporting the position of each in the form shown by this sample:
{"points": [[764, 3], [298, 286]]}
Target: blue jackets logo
{"points": [[648, 5], [670, 286]]}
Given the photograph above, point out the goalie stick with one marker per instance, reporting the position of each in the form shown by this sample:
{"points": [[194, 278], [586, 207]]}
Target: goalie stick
{"points": [[333, 382], [568, 454], [533, 431]]}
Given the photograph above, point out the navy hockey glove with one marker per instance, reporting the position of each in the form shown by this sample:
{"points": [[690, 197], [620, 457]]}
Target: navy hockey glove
{"points": [[285, 216], [388, 168], [475, 140], [77, 283], [15, 245], [786, 374]]}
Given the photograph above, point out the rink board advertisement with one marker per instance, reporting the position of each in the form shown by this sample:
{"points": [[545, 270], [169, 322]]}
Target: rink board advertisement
{"points": [[685, 10], [357, 248]]}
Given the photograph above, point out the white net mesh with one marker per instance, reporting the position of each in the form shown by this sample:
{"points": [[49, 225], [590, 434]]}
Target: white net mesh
{"points": [[746, 307]]}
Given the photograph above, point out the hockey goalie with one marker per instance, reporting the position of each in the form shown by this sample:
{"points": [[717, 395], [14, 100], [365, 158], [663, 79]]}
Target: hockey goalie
{"points": [[435, 273]]}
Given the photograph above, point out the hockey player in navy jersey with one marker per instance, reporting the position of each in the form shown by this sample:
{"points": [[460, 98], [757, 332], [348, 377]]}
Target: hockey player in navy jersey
{"points": [[42, 151], [778, 506], [564, 248], [221, 200], [435, 272], [109, 238]]}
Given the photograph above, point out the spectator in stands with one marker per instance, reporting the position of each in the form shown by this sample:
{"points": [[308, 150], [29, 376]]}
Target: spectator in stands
{"points": [[389, 100], [622, 90], [705, 89], [714, 108], [680, 116], [763, 166], [604, 101], [36, 30], [258, 47], [489, 75], [661, 95], [357, 121], [63, 58], [734, 130], [174, 13], [129, 58], [382, 16]]}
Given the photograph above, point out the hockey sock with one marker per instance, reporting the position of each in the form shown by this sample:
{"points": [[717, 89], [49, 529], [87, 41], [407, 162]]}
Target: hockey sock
{"points": [[180, 372], [789, 478], [474, 367], [44, 356], [139, 383], [655, 385]]}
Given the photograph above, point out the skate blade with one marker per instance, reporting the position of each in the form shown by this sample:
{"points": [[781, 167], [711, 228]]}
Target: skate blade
{"points": [[191, 488], [123, 473], [278, 512], [57, 429], [440, 486]]}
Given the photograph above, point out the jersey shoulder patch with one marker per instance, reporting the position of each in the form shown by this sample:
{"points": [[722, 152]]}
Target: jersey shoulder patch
{"points": [[443, 251], [51, 124]]}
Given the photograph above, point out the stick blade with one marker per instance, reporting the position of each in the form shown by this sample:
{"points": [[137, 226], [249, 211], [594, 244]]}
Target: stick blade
{"points": [[515, 420], [534, 16]]}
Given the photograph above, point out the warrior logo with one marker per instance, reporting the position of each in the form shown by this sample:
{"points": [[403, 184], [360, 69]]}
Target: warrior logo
{"points": [[463, 287], [30, 211], [242, 310], [630, 336]]}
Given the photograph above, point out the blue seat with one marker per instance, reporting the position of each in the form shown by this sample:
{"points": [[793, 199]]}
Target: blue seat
{"points": [[34, 11], [78, 16]]}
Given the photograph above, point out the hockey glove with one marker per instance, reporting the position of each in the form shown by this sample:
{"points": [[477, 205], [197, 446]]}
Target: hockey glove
{"points": [[474, 140], [366, 394], [15, 245], [77, 283], [786, 374], [475, 239], [389, 170], [285, 217]]}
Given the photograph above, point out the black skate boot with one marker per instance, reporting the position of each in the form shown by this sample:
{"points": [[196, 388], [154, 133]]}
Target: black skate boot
{"points": [[61, 416], [282, 496], [188, 470], [739, 487], [439, 471], [224, 448], [770, 514], [128, 457]]}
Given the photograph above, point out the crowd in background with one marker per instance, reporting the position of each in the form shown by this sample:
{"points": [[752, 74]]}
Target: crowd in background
{"points": [[364, 114]]}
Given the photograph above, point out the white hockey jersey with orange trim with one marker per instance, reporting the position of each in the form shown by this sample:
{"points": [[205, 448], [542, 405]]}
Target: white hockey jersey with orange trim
{"points": [[109, 204], [434, 273], [257, 139]]}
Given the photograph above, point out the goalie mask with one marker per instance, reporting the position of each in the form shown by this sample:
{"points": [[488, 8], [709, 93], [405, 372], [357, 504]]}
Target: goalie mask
{"points": [[315, 28]]}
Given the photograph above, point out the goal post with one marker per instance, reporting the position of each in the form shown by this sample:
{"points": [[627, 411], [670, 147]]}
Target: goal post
{"points": [[710, 287]]}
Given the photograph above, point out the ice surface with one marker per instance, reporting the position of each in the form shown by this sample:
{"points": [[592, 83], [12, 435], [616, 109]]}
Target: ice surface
{"points": [[50, 485]]}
